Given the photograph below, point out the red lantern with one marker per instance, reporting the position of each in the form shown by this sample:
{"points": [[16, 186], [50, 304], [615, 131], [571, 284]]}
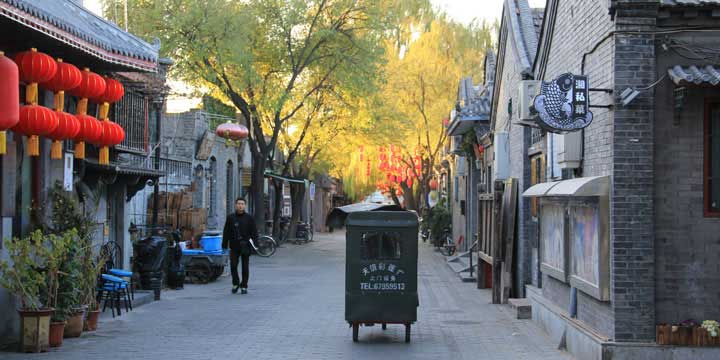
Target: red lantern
{"points": [[91, 130], [112, 134], [433, 184], [35, 67], [66, 78], [92, 86], [35, 121], [10, 98], [232, 131], [114, 91], [68, 128]]}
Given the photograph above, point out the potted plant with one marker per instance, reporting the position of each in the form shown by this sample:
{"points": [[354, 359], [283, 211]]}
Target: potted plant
{"points": [[91, 273], [70, 286], [23, 275], [56, 256], [78, 289]]}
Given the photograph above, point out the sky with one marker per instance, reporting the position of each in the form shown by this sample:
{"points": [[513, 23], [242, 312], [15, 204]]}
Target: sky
{"points": [[464, 11]]}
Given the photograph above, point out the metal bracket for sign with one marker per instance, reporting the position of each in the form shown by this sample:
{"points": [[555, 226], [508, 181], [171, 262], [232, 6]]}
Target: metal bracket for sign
{"points": [[609, 91], [601, 106]]}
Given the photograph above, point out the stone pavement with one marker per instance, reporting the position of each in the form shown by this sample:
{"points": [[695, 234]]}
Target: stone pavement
{"points": [[295, 310]]}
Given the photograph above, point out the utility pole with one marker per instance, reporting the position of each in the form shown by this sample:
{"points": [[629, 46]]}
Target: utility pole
{"points": [[125, 19]]}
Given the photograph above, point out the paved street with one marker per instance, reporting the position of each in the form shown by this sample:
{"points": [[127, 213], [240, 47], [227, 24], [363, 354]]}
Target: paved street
{"points": [[295, 310]]}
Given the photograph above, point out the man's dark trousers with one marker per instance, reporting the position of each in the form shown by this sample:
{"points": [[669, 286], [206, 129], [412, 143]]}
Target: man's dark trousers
{"points": [[235, 255]]}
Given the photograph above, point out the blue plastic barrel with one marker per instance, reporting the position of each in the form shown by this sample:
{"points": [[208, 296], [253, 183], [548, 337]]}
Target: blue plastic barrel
{"points": [[211, 243]]}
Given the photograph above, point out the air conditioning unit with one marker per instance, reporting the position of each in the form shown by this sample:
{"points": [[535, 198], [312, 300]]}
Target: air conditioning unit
{"points": [[501, 163], [527, 91]]}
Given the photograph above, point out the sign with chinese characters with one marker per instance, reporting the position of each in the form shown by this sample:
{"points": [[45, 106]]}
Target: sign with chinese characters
{"points": [[382, 277], [563, 104], [68, 173]]}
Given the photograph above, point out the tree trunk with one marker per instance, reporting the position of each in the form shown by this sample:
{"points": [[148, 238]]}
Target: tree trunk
{"points": [[277, 202], [297, 195], [256, 191], [410, 203]]}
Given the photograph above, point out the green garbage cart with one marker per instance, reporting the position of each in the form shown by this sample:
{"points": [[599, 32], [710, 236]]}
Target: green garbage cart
{"points": [[381, 269]]}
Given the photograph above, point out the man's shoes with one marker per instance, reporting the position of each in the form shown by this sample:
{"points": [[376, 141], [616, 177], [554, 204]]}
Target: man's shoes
{"points": [[243, 290], [235, 289]]}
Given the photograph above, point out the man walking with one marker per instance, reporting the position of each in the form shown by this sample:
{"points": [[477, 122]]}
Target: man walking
{"points": [[239, 229]]}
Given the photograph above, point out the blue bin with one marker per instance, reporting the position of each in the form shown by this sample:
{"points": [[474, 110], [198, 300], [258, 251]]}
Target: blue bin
{"points": [[211, 243], [191, 252]]}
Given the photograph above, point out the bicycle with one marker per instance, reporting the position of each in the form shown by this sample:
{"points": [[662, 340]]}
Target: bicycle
{"points": [[265, 247], [284, 230], [448, 245], [304, 232]]}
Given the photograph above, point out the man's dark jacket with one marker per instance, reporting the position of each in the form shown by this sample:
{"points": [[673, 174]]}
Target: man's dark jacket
{"points": [[239, 229]]}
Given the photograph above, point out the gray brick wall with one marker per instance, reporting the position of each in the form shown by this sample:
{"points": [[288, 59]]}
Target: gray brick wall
{"points": [[579, 25], [519, 140], [686, 243], [631, 207]]}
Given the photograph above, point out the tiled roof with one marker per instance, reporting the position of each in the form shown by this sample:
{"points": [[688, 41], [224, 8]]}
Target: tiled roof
{"points": [[522, 32], [538, 14], [475, 100], [689, 2], [704, 74], [74, 25]]}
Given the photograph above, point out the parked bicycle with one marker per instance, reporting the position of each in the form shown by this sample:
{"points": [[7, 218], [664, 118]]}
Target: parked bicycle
{"points": [[304, 233], [448, 244], [283, 231], [265, 245]]}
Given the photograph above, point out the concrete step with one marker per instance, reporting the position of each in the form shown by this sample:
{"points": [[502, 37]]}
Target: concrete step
{"points": [[466, 277], [458, 256], [522, 308]]}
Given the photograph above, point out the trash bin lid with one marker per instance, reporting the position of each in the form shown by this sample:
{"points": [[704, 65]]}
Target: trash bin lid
{"points": [[399, 219]]}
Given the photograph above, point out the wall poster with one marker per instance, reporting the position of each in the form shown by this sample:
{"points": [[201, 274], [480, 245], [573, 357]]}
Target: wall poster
{"points": [[553, 240], [589, 248]]}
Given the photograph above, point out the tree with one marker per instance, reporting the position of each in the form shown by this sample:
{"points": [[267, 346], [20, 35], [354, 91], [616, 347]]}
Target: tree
{"points": [[268, 58], [421, 90]]}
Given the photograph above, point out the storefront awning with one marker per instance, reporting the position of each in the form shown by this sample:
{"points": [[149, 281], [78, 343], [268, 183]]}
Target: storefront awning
{"points": [[584, 186], [698, 75], [271, 174]]}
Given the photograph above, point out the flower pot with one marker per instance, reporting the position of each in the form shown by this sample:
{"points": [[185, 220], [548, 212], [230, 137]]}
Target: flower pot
{"points": [[92, 320], [57, 329], [35, 327], [662, 334], [74, 325]]}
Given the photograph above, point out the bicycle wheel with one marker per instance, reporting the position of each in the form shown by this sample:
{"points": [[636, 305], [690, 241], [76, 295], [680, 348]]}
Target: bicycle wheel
{"points": [[311, 232], [266, 246]]}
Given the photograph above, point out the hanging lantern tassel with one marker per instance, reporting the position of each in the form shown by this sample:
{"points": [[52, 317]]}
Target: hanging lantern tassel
{"points": [[80, 149], [34, 145], [104, 155], [3, 143], [104, 109], [56, 150], [59, 101]]}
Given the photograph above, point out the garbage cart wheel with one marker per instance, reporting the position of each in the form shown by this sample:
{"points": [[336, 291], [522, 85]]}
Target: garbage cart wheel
{"points": [[407, 333], [356, 330], [384, 326]]}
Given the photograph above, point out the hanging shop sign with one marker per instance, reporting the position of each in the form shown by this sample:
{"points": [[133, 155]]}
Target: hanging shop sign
{"points": [[563, 104]]}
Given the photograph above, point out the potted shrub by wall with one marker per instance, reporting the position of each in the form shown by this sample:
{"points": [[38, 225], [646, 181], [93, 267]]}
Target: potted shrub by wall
{"points": [[91, 271], [68, 215], [23, 275], [57, 255], [70, 294]]}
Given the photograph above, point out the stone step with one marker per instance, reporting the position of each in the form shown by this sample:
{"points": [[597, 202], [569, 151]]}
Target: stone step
{"points": [[522, 308], [458, 256], [466, 277]]}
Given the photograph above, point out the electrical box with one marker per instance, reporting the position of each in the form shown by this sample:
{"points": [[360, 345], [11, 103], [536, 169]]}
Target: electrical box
{"points": [[527, 91], [501, 163]]}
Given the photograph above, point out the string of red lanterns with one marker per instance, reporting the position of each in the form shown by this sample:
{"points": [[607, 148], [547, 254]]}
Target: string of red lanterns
{"points": [[9, 104], [36, 69]]}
